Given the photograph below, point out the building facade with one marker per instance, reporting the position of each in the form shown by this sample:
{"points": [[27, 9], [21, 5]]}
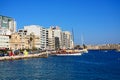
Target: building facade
{"points": [[67, 41], [15, 42], [4, 41], [23, 38], [7, 25], [40, 35], [54, 38]]}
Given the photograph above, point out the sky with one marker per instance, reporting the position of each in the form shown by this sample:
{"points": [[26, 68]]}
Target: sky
{"points": [[98, 21]]}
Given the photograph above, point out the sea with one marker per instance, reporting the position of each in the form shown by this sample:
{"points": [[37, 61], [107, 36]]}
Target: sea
{"points": [[94, 65]]}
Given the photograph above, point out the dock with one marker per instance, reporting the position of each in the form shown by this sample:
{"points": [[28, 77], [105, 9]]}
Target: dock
{"points": [[17, 57]]}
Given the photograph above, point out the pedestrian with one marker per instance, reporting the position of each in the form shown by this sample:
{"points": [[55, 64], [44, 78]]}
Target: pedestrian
{"points": [[25, 52]]}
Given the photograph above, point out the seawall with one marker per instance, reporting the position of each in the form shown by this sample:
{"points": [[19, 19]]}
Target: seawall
{"points": [[39, 55]]}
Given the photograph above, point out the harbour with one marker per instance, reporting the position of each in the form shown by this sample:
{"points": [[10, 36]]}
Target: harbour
{"points": [[59, 40], [44, 54], [95, 65]]}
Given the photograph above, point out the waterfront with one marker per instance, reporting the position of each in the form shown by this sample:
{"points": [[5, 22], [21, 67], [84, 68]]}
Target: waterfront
{"points": [[95, 65]]}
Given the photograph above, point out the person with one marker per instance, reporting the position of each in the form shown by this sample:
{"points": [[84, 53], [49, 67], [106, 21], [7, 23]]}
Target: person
{"points": [[25, 52], [11, 53]]}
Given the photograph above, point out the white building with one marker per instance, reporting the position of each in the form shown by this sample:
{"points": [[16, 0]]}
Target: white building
{"points": [[43, 38], [4, 41], [39, 32], [32, 29], [7, 25]]}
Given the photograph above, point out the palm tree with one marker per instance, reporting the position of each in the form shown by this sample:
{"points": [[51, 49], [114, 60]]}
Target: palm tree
{"points": [[31, 40]]}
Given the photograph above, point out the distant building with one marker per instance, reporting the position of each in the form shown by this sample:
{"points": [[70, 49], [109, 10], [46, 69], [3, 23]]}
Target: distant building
{"points": [[67, 41], [54, 38], [7, 25], [40, 35], [43, 38], [58, 39], [23, 38], [15, 42], [4, 41]]}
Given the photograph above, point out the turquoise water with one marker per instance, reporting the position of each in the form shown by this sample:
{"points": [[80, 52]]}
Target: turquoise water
{"points": [[95, 65]]}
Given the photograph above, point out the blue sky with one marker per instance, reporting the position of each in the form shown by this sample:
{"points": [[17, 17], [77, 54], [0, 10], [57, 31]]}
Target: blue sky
{"points": [[97, 20]]}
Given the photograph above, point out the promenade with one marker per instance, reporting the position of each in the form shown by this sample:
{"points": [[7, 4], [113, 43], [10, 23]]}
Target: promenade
{"points": [[38, 55]]}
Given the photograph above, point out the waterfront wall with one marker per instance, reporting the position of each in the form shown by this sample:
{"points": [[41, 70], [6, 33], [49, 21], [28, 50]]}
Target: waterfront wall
{"points": [[105, 46], [39, 55]]}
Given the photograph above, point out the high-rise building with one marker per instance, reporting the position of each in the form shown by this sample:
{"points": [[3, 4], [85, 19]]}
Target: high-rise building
{"points": [[7, 25], [54, 38], [67, 42], [43, 38], [24, 38]]}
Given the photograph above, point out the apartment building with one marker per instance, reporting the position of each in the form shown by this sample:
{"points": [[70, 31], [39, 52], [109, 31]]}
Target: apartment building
{"points": [[39, 37], [4, 41], [15, 42], [40, 33], [67, 42], [54, 38], [23, 38], [7, 25]]}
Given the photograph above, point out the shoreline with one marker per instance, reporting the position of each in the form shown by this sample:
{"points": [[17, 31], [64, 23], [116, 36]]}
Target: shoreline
{"points": [[39, 55]]}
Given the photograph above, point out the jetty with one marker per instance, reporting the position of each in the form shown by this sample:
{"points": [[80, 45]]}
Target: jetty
{"points": [[17, 57]]}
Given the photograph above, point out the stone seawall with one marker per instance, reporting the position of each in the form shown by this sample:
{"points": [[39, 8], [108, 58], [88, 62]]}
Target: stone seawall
{"points": [[39, 55]]}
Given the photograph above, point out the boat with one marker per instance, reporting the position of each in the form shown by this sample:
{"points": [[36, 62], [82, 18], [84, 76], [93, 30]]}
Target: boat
{"points": [[118, 50], [69, 54], [74, 52], [83, 50]]}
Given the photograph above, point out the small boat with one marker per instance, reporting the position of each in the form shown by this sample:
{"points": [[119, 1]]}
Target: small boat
{"points": [[118, 50], [83, 51]]}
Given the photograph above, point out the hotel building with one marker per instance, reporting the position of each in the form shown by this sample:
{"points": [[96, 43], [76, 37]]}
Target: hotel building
{"points": [[7, 25]]}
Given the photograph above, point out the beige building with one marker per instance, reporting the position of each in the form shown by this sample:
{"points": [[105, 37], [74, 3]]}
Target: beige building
{"points": [[67, 42], [15, 42], [28, 41]]}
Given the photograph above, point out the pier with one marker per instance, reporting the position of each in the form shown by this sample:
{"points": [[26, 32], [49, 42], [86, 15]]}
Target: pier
{"points": [[39, 55]]}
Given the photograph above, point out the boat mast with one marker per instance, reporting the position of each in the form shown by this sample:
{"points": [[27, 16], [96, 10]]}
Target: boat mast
{"points": [[82, 39], [73, 37]]}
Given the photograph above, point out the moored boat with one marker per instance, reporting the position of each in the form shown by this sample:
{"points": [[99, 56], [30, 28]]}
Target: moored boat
{"points": [[74, 52], [118, 50], [69, 54]]}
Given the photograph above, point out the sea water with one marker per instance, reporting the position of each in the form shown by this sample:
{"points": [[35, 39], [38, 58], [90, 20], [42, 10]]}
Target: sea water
{"points": [[95, 65]]}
